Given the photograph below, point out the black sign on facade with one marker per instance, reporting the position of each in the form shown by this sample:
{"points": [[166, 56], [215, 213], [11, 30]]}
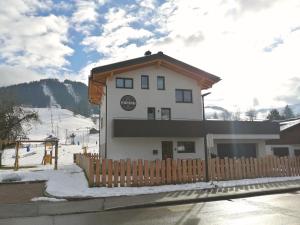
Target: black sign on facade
{"points": [[128, 102]]}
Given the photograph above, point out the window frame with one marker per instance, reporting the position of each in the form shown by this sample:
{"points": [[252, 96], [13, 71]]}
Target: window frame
{"points": [[147, 77], [164, 83], [148, 113], [185, 151], [124, 80], [182, 95], [170, 114]]}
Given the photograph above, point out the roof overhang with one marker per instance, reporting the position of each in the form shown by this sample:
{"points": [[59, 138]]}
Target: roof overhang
{"points": [[100, 75]]}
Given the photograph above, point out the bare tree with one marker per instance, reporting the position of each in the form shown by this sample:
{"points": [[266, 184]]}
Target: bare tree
{"points": [[251, 114]]}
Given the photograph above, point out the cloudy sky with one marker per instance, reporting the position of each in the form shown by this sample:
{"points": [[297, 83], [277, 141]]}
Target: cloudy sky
{"points": [[253, 45]]}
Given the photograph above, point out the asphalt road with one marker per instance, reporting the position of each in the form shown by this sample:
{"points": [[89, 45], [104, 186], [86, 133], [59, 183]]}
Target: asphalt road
{"points": [[280, 209]]}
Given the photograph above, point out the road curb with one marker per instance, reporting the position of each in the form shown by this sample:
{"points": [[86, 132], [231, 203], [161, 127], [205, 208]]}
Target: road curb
{"points": [[86, 205], [205, 199]]}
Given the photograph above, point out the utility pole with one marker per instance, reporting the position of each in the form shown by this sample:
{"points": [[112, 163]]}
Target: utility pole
{"points": [[52, 131], [66, 136], [205, 138], [99, 121]]}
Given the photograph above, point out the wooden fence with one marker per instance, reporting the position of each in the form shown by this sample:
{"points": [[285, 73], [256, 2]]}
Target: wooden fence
{"points": [[127, 173]]}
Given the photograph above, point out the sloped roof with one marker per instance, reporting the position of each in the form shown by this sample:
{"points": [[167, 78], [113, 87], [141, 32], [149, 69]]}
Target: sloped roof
{"points": [[284, 125], [97, 79]]}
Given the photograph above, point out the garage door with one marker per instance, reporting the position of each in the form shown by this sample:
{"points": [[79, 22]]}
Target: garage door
{"points": [[236, 150]]}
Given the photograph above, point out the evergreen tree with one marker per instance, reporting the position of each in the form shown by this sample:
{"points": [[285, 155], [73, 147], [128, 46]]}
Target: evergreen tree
{"points": [[274, 115], [288, 112]]}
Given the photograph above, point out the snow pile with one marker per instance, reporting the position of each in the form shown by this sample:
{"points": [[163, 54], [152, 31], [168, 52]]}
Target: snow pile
{"points": [[47, 199]]}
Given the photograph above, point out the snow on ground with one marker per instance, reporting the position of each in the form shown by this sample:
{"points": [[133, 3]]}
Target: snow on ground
{"points": [[70, 181], [47, 199]]}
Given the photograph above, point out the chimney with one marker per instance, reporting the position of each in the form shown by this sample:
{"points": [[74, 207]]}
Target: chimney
{"points": [[147, 53]]}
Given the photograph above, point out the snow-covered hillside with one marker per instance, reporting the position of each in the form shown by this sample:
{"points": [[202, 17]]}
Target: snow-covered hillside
{"points": [[64, 124], [60, 123]]}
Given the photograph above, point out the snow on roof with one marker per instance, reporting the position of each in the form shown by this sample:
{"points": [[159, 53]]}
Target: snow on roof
{"points": [[290, 123]]}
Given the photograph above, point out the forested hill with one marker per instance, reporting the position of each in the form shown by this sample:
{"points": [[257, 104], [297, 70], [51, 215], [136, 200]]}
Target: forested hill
{"points": [[69, 95]]}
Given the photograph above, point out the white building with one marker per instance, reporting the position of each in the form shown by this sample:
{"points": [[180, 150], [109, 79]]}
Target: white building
{"points": [[151, 108]]}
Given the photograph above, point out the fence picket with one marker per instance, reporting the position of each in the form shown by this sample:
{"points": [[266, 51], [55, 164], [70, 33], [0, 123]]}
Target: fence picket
{"points": [[152, 169], [128, 173], [163, 171], [174, 171], [179, 171], [146, 172], [140, 173], [122, 173], [97, 172], [103, 177], [134, 174], [109, 180], [157, 172], [184, 171], [169, 173], [116, 173]]}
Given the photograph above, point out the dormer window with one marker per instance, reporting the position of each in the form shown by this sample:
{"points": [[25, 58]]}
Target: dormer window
{"points": [[124, 83]]}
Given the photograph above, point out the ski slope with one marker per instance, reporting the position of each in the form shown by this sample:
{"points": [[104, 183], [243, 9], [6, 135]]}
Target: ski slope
{"points": [[59, 123]]}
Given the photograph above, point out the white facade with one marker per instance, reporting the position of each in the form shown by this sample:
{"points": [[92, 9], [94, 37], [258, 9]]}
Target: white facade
{"points": [[149, 147], [135, 148]]}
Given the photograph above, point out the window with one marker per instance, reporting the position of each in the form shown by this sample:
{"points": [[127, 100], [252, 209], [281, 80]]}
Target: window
{"points": [[297, 152], [186, 147], [165, 113], [151, 113], [160, 83], [145, 82], [281, 151], [183, 96], [124, 83]]}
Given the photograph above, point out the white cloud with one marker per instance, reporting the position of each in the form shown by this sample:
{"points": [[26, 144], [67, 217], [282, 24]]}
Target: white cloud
{"points": [[86, 15], [13, 75], [33, 41], [224, 37]]}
